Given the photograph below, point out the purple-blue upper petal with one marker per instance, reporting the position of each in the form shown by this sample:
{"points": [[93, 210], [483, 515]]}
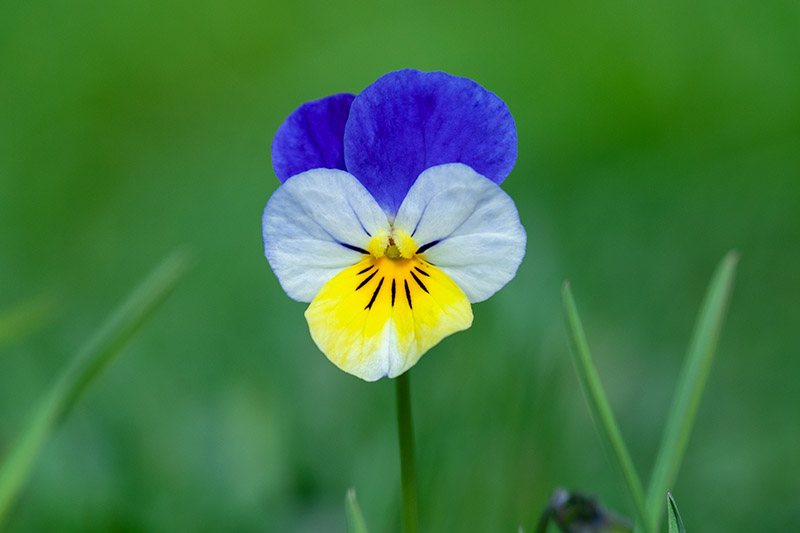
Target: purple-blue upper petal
{"points": [[312, 137], [408, 121]]}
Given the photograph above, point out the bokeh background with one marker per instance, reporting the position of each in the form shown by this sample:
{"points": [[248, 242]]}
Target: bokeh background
{"points": [[653, 138]]}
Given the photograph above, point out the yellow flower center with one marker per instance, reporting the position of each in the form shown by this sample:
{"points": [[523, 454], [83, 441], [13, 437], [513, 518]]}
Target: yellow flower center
{"points": [[379, 316], [392, 252], [395, 244]]}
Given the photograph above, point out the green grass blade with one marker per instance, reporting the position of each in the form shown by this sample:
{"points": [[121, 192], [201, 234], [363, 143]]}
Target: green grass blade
{"points": [[675, 522], [599, 406], [23, 319], [82, 371], [690, 386], [355, 519]]}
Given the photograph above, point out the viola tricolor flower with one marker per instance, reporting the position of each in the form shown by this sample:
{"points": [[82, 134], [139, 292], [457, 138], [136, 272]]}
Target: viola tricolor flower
{"points": [[390, 220]]}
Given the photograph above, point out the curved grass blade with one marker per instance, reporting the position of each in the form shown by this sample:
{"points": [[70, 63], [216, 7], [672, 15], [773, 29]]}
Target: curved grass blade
{"points": [[600, 408], [23, 319], [355, 519], [674, 517], [82, 371], [691, 383]]}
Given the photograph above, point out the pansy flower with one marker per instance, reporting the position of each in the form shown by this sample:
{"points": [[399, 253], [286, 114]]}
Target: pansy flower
{"points": [[390, 220]]}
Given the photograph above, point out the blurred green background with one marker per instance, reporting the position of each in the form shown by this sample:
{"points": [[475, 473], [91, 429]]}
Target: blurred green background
{"points": [[653, 137]]}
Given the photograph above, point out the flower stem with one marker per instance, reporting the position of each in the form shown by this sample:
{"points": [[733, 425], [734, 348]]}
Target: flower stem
{"points": [[407, 473]]}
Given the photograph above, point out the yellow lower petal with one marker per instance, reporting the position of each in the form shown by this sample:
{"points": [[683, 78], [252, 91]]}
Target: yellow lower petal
{"points": [[377, 318]]}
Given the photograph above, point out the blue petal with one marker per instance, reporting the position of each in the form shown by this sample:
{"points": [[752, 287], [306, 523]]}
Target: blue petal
{"points": [[408, 121], [312, 137]]}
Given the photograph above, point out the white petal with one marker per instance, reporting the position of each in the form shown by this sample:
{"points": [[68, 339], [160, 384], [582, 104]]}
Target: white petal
{"points": [[307, 223], [475, 225]]}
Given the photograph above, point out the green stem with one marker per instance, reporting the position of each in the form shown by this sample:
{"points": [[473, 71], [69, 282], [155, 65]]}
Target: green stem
{"points": [[407, 473]]}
